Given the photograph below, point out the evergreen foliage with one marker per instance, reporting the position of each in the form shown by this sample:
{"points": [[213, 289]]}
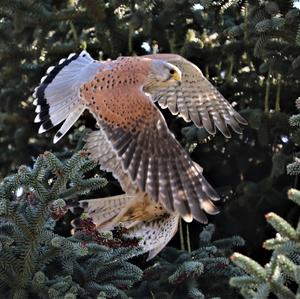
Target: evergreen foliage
{"points": [[37, 262], [197, 274], [276, 278]]}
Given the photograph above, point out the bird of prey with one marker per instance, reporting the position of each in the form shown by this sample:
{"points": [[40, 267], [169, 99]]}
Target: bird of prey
{"points": [[160, 181]]}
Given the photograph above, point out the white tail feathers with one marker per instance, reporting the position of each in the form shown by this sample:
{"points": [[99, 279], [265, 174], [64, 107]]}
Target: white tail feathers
{"points": [[58, 95]]}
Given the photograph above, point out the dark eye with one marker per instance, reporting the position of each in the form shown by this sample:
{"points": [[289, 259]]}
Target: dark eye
{"points": [[172, 72]]}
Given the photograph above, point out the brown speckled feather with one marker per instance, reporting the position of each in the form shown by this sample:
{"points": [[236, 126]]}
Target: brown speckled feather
{"points": [[197, 100], [138, 134]]}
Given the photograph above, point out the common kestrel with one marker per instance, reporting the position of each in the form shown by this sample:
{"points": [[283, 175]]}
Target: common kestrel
{"points": [[160, 180]]}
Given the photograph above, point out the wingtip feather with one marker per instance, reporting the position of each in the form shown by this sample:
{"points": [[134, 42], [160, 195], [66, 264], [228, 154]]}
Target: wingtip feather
{"points": [[241, 120], [71, 55], [43, 79], [57, 137], [37, 119], [41, 129], [209, 207], [62, 61], [49, 70], [187, 218]]}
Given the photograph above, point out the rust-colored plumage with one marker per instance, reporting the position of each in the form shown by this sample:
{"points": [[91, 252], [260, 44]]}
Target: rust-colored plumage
{"points": [[160, 179]]}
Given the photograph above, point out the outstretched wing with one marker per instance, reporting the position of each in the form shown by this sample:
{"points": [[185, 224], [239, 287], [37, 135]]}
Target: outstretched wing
{"points": [[58, 96], [197, 100], [149, 153]]}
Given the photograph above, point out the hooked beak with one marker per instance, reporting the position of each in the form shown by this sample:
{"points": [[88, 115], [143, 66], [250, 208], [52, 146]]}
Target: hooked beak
{"points": [[176, 76]]}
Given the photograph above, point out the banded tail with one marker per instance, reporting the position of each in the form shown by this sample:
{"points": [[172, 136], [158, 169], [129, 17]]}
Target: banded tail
{"points": [[142, 217], [58, 96]]}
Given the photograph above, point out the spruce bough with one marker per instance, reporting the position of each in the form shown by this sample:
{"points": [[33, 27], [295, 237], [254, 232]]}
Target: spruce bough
{"points": [[274, 279], [35, 261], [281, 276]]}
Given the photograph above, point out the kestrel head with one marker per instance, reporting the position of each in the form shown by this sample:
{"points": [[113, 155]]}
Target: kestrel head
{"points": [[162, 74]]}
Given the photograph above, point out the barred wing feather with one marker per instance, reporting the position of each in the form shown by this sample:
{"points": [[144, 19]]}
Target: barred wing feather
{"points": [[197, 100]]}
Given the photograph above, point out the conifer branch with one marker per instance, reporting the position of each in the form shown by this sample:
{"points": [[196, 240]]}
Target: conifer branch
{"points": [[31, 202]]}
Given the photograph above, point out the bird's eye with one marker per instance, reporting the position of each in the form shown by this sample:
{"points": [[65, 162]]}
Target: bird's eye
{"points": [[172, 71]]}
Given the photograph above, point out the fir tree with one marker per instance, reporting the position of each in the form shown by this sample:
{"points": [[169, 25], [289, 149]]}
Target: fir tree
{"points": [[200, 273], [35, 261], [276, 278]]}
